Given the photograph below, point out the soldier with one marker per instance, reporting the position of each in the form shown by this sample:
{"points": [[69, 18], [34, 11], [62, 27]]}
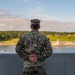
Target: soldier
{"points": [[34, 48]]}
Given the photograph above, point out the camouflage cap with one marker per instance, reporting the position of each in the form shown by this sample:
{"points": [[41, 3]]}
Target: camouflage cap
{"points": [[34, 21]]}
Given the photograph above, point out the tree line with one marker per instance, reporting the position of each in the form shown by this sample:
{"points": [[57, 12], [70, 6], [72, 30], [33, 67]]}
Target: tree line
{"points": [[7, 35]]}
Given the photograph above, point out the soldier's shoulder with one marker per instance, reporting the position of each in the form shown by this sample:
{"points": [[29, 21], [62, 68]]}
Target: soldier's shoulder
{"points": [[42, 35], [24, 35]]}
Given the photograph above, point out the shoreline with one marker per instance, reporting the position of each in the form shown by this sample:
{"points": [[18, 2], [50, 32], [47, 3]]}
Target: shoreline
{"points": [[7, 44], [53, 43], [64, 43]]}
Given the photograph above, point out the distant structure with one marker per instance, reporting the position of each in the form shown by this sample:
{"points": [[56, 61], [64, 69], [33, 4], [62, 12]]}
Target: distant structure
{"points": [[59, 43], [2, 51]]}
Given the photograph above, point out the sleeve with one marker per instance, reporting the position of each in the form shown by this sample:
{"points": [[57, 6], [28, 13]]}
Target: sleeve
{"points": [[20, 49], [47, 49]]}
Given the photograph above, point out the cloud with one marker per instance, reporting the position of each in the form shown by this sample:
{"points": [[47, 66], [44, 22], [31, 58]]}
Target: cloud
{"points": [[4, 11], [7, 14], [30, 2], [33, 2], [16, 1], [37, 9], [26, 0], [38, 13], [2, 24]]}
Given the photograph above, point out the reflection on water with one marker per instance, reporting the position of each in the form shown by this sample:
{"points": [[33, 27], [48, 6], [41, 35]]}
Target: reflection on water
{"points": [[7, 48], [63, 49], [58, 49]]}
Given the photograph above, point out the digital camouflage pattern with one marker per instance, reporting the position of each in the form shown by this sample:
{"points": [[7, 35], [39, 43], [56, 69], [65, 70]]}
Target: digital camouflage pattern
{"points": [[34, 42], [38, 70]]}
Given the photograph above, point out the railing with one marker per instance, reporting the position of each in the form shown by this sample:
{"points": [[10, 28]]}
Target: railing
{"points": [[57, 64]]}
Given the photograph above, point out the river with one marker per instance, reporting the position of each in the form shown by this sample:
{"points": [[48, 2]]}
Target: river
{"points": [[64, 49]]}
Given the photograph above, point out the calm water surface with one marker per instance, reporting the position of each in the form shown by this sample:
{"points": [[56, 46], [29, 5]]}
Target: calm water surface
{"points": [[64, 49]]}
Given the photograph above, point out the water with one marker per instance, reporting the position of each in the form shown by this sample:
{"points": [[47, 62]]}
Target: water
{"points": [[64, 49], [8, 49]]}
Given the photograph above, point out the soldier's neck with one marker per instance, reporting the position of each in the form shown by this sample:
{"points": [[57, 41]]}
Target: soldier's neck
{"points": [[34, 30]]}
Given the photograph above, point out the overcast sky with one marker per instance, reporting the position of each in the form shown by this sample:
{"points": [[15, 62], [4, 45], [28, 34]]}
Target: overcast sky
{"points": [[61, 10]]}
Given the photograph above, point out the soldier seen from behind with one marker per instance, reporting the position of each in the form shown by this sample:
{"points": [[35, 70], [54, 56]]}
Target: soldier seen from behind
{"points": [[34, 47]]}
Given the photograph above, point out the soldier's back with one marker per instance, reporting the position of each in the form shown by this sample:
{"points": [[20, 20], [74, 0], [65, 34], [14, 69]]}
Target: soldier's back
{"points": [[34, 43]]}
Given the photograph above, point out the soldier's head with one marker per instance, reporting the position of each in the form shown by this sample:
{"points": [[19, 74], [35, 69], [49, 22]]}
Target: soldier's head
{"points": [[35, 24]]}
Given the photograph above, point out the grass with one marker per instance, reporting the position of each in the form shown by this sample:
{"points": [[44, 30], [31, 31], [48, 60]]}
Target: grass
{"points": [[62, 38], [11, 41]]}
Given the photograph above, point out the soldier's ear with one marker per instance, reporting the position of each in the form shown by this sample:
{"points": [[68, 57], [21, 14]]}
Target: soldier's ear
{"points": [[31, 26], [39, 27]]}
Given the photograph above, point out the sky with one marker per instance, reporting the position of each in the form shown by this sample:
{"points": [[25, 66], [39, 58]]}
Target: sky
{"points": [[60, 10]]}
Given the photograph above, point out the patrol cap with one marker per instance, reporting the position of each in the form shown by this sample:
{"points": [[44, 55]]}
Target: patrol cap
{"points": [[35, 21]]}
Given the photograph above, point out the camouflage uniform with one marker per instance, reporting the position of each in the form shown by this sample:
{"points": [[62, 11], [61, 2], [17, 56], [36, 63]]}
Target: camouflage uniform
{"points": [[34, 42]]}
